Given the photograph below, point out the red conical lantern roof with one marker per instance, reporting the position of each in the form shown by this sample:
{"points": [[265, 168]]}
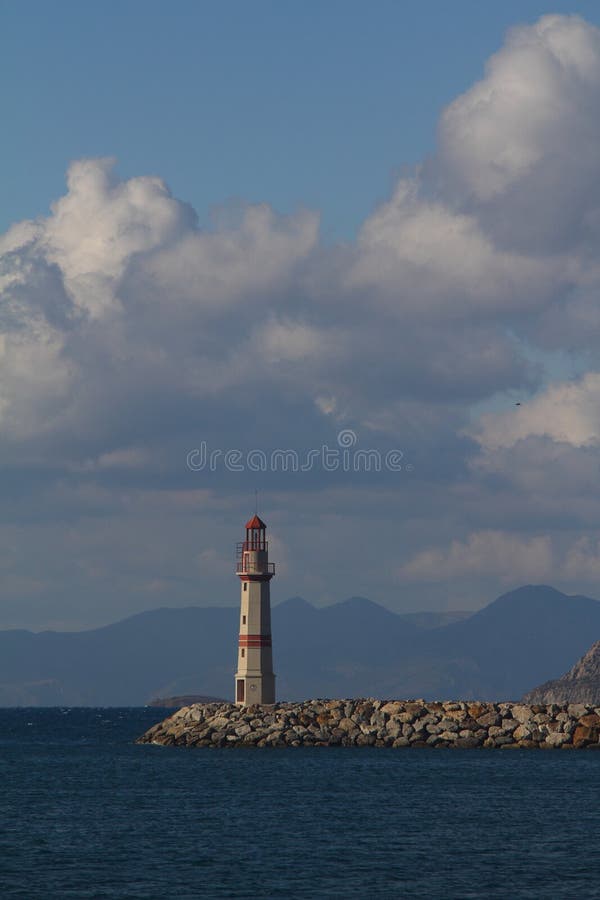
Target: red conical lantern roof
{"points": [[255, 522]]}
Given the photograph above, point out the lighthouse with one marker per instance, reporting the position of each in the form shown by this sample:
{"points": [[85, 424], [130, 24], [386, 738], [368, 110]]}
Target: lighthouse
{"points": [[254, 679]]}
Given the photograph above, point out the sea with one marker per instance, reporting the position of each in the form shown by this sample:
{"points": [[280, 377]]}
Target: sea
{"points": [[87, 813]]}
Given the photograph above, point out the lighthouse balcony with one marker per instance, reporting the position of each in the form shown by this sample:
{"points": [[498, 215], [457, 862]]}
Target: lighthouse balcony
{"points": [[252, 567], [253, 559]]}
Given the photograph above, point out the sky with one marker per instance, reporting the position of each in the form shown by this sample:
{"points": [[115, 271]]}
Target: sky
{"points": [[342, 254]]}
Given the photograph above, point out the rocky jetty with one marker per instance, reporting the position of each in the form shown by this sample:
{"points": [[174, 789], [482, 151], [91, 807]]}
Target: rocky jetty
{"points": [[581, 684], [380, 723]]}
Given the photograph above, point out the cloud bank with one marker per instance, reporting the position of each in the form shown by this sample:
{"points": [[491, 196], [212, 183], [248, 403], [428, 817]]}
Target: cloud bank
{"points": [[128, 334]]}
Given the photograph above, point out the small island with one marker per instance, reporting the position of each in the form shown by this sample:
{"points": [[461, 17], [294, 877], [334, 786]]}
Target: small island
{"points": [[381, 723], [183, 700]]}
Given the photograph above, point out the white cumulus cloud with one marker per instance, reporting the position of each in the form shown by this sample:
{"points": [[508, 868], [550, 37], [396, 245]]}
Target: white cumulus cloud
{"points": [[565, 412], [505, 556], [520, 146]]}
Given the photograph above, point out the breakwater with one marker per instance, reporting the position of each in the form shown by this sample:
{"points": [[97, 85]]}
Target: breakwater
{"points": [[381, 723]]}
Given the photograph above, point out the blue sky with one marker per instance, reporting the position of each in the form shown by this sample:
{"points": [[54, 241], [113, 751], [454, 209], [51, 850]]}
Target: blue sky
{"points": [[260, 226], [316, 104]]}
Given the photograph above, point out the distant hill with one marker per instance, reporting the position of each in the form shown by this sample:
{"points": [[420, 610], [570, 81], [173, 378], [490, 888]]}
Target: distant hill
{"points": [[353, 648], [523, 638], [163, 652], [581, 684]]}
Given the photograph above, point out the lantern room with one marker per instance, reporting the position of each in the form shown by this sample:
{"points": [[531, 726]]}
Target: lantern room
{"points": [[253, 553], [255, 534]]}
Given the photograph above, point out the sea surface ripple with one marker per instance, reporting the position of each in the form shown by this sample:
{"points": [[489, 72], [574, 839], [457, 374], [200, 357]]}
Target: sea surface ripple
{"points": [[85, 813]]}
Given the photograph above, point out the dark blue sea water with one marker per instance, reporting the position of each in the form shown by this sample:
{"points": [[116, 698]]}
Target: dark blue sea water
{"points": [[86, 813]]}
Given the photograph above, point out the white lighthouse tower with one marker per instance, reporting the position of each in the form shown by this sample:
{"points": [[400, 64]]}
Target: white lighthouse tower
{"points": [[254, 679]]}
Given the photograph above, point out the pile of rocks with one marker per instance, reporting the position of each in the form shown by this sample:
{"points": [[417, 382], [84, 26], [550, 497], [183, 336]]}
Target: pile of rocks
{"points": [[380, 723]]}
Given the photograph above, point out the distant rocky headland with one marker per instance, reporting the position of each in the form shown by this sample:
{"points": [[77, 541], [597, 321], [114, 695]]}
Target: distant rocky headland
{"points": [[381, 723], [581, 684]]}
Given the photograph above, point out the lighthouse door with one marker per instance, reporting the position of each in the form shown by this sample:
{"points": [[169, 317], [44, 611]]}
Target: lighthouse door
{"points": [[240, 691]]}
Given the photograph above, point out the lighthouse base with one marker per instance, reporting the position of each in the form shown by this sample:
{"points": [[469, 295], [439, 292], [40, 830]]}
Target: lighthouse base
{"points": [[254, 689]]}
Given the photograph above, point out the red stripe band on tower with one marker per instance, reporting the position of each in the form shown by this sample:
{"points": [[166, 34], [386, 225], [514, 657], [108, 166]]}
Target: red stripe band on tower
{"points": [[255, 640]]}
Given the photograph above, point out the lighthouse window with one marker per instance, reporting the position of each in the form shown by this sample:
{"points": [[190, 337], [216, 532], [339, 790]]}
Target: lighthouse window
{"points": [[243, 620], [245, 585], [243, 653]]}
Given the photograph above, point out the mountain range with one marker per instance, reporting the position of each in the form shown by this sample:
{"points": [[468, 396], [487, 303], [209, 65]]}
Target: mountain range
{"points": [[353, 648]]}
